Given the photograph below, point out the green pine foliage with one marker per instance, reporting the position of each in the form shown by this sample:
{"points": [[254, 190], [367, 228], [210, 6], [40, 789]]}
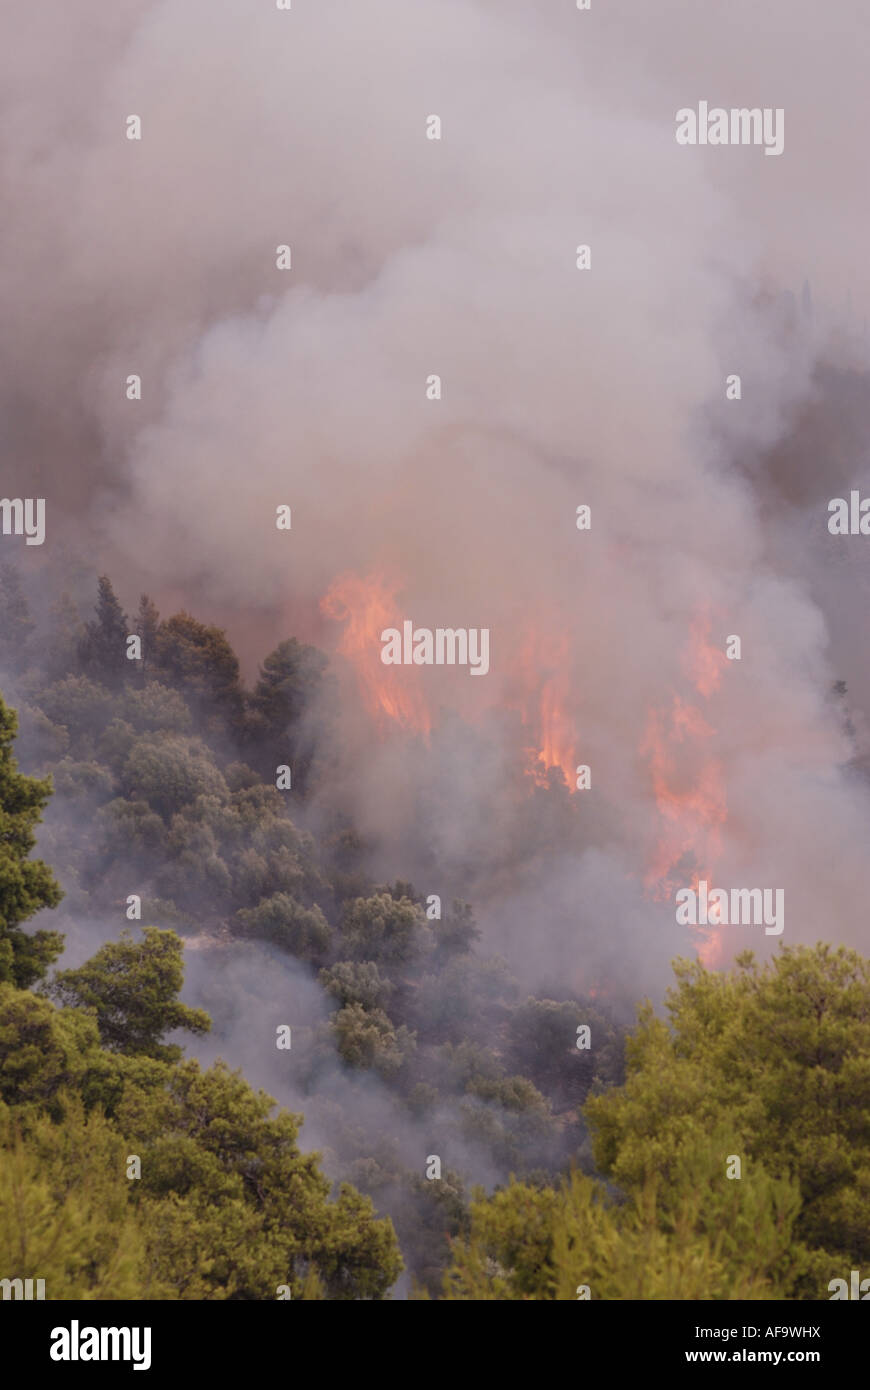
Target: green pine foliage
{"points": [[609, 1165], [769, 1066], [780, 1056], [26, 885]]}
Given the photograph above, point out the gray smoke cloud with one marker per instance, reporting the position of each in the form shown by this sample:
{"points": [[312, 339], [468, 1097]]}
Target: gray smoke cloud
{"points": [[560, 387]]}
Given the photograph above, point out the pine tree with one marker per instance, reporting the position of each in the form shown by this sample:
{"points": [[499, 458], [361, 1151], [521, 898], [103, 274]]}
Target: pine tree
{"points": [[65, 1218], [103, 650], [16, 623], [26, 885], [59, 654], [782, 1054], [198, 661], [147, 623], [291, 679], [132, 987]]}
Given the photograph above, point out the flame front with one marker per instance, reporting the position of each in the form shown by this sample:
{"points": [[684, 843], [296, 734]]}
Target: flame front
{"points": [[688, 785], [540, 687], [693, 812], [367, 605], [544, 698]]}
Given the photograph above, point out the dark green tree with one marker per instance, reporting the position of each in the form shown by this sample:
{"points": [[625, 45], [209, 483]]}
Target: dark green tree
{"points": [[291, 679], [103, 649], [155, 707], [43, 1051], [132, 987], [79, 705], [779, 1055], [26, 885], [59, 653], [147, 625], [534, 1243], [234, 1209], [352, 982], [64, 1216], [16, 623], [380, 929], [458, 932], [170, 771], [199, 661], [543, 1036], [227, 1207], [367, 1038], [281, 919]]}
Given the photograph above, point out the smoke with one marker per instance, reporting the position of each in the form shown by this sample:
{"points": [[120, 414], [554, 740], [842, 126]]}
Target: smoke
{"points": [[560, 387]]}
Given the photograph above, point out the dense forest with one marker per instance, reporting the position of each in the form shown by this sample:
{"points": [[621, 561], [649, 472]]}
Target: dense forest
{"points": [[130, 1170]]}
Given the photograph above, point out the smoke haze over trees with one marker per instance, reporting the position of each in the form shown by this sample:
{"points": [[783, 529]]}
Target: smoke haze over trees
{"points": [[407, 1040], [269, 811]]}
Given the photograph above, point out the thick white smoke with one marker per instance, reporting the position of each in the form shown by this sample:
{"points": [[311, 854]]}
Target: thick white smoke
{"points": [[457, 257]]}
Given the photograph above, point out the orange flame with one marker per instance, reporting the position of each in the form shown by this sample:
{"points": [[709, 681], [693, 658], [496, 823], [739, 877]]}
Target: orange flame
{"points": [[693, 813], [688, 786], [711, 946], [544, 699], [704, 664], [367, 605]]}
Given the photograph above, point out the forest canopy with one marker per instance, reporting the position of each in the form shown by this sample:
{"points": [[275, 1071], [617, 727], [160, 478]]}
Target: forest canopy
{"points": [[137, 1172]]}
